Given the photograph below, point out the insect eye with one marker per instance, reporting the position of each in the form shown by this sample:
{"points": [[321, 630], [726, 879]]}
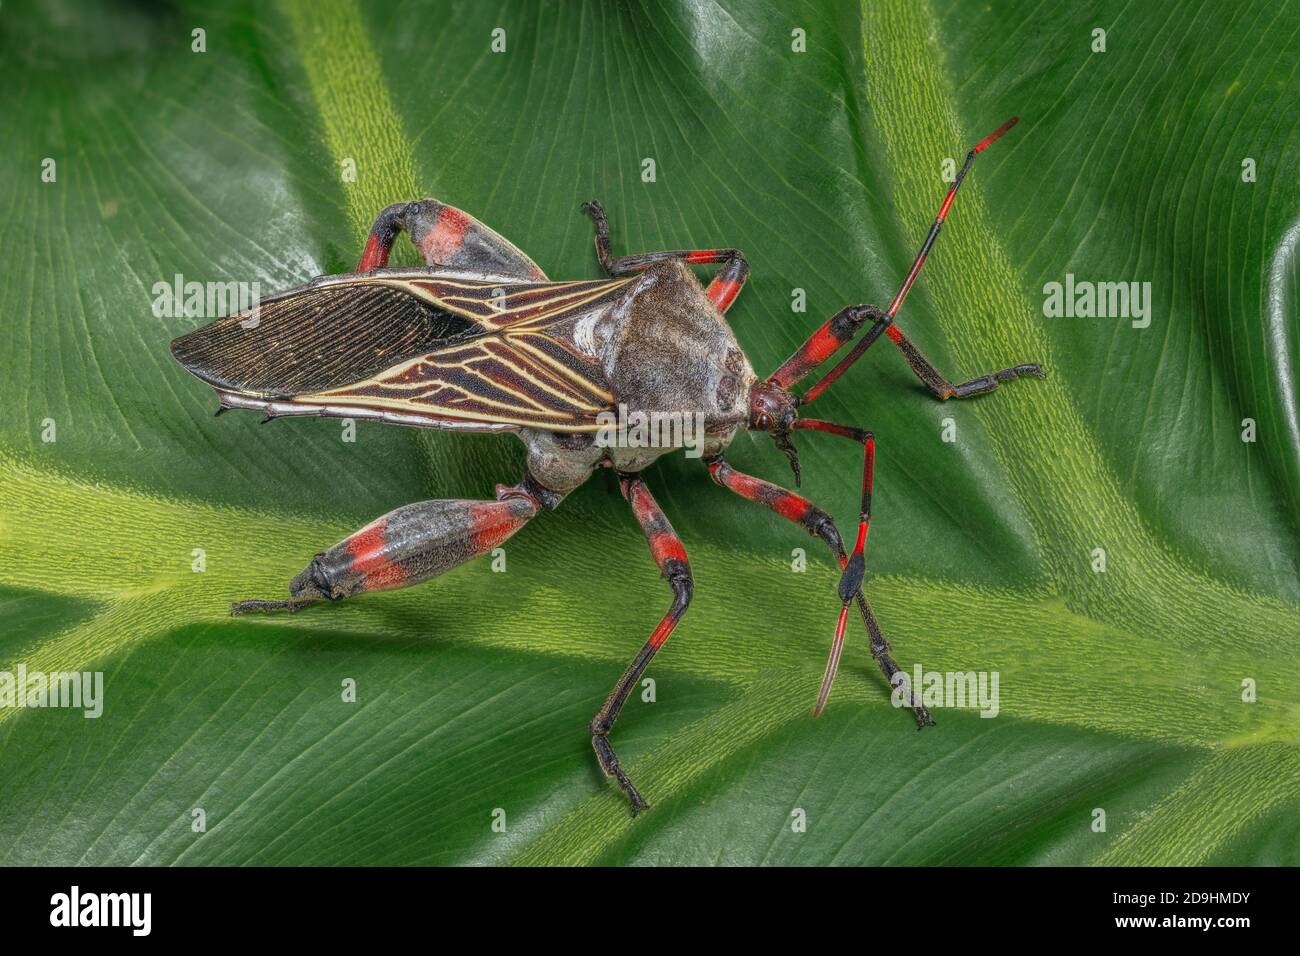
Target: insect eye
{"points": [[764, 420]]}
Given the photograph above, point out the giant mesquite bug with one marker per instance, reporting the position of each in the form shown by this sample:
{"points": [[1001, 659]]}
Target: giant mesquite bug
{"points": [[482, 341]]}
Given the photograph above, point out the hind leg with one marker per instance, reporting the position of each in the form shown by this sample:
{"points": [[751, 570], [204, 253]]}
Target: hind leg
{"points": [[447, 238], [411, 544]]}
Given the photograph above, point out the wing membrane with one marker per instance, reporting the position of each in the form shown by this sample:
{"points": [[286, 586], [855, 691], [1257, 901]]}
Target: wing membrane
{"points": [[313, 339], [516, 372]]}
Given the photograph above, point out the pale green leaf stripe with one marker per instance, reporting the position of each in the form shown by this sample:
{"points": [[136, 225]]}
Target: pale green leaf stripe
{"points": [[131, 551], [356, 112]]}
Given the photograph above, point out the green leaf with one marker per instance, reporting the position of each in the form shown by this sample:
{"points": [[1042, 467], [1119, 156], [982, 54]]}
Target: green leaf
{"points": [[1120, 691]]}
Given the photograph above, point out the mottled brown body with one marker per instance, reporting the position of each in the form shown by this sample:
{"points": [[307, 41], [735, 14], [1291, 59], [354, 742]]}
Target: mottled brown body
{"points": [[663, 348]]}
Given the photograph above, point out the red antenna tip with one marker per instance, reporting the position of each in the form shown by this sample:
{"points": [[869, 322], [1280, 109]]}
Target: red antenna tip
{"points": [[993, 137]]}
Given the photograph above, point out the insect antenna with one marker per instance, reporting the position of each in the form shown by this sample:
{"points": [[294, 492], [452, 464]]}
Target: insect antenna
{"points": [[894, 333]]}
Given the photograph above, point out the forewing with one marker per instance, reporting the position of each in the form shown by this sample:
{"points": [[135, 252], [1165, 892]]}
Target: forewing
{"points": [[522, 371], [319, 337]]}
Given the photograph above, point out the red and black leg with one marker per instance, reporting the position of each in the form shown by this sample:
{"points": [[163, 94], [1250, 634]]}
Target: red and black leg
{"points": [[411, 544], [722, 290], [670, 556], [827, 340], [841, 329], [799, 510], [447, 238]]}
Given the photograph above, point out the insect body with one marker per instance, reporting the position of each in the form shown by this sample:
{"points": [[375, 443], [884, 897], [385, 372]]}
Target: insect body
{"points": [[481, 340]]}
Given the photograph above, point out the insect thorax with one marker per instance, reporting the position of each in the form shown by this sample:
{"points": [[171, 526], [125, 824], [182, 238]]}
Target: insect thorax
{"points": [[678, 376]]}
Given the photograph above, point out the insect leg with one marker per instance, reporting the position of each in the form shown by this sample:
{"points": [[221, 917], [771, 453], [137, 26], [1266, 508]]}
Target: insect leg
{"points": [[799, 510], [931, 377], [722, 290], [411, 544], [669, 554], [829, 339], [825, 341], [841, 328], [447, 238]]}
